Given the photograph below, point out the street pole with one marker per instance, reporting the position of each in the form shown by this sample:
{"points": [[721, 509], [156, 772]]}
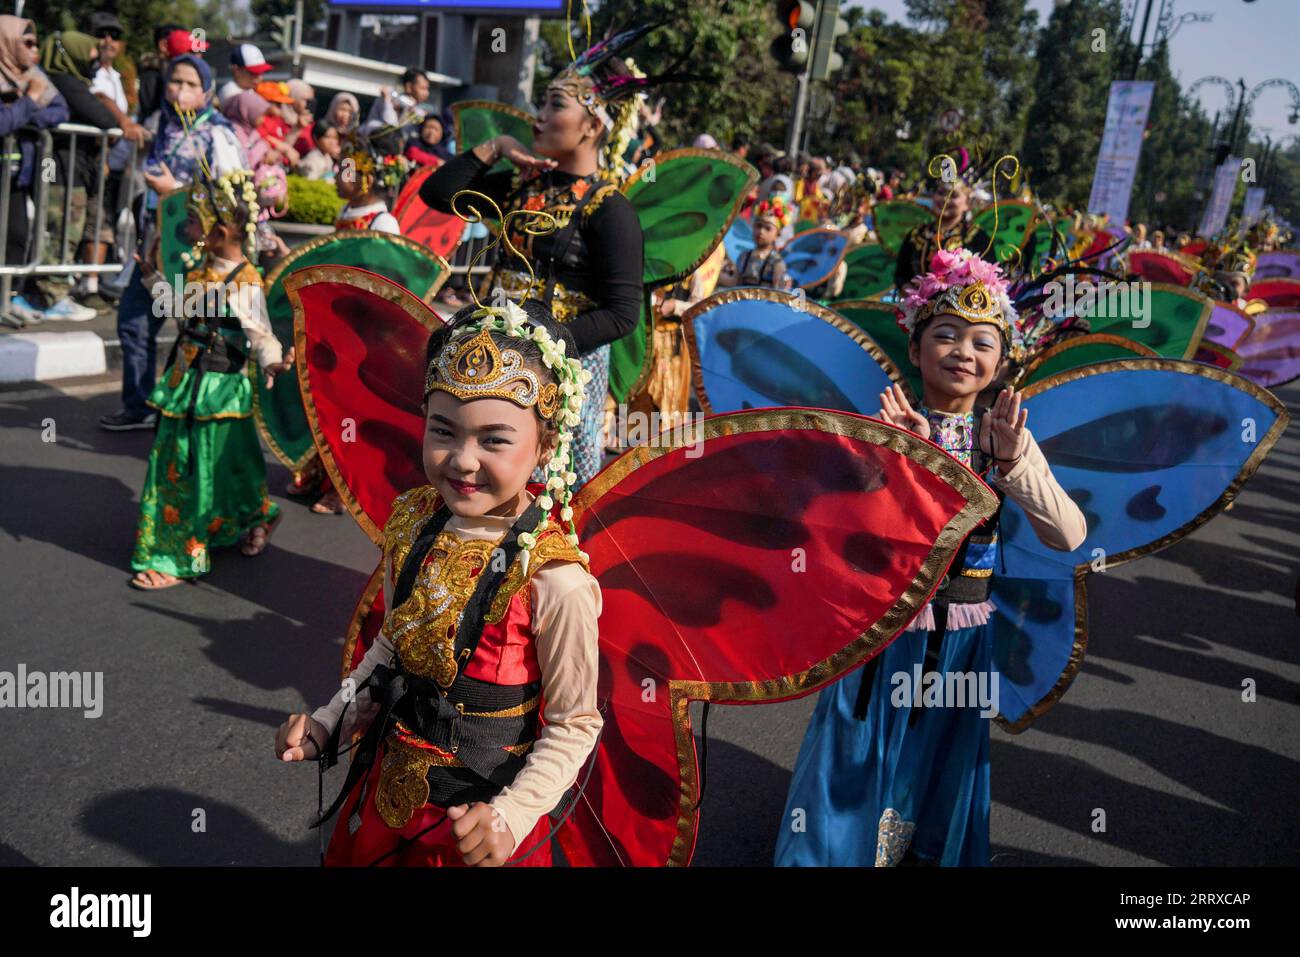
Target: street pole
{"points": [[801, 96], [1142, 41], [1236, 120]]}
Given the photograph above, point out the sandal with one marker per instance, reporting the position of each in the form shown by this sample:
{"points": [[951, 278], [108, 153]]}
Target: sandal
{"points": [[328, 504], [252, 545], [152, 580]]}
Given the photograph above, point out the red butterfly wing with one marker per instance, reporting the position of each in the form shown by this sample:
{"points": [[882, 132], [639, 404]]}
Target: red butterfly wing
{"points": [[439, 231], [360, 342], [786, 547]]}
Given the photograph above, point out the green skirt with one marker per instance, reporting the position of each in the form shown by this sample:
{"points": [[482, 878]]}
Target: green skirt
{"points": [[206, 480]]}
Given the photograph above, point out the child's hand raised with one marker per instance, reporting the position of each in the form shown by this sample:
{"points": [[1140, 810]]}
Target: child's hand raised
{"points": [[1002, 433], [896, 410], [299, 733], [482, 836]]}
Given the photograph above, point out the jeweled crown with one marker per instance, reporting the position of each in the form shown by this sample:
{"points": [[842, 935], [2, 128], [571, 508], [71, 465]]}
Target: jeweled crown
{"points": [[475, 368]]}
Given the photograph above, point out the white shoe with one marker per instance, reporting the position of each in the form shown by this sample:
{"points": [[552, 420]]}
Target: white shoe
{"points": [[65, 308], [24, 310]]}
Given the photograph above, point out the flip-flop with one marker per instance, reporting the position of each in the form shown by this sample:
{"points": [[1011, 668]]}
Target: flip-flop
{"points": [[246, 542], [321, 507], [149, 586]]}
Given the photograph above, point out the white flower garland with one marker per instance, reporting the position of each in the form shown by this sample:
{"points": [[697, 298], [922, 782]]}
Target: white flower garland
{"points": [[248, 193], [511, 320]]}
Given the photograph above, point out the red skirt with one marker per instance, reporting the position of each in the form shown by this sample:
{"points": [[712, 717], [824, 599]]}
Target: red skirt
{"points": [[374, 838]]}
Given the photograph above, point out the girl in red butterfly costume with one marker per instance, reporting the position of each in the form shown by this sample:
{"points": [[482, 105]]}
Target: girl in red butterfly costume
{"points": [[492, 621]]}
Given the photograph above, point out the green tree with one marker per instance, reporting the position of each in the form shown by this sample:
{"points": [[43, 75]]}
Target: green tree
{"points": [[1065, 121], [138, 16]]}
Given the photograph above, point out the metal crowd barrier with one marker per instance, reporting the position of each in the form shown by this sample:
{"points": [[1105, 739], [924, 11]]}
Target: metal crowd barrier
{"points": [[39, 238]]}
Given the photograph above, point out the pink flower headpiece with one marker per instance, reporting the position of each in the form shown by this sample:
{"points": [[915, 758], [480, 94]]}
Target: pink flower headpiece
{"points": [[961, 284]]}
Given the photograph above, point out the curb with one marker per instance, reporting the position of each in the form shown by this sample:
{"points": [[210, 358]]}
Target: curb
{"points": [[44, 356]]}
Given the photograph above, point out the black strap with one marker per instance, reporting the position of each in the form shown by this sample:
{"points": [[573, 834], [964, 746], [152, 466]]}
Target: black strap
{"points": [[933, 645], [564, 240], [393, 683]]}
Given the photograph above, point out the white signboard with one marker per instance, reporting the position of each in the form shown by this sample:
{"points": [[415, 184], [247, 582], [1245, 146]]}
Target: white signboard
{"points": [[1253, 206], [1216, 210], [1121, 148]]}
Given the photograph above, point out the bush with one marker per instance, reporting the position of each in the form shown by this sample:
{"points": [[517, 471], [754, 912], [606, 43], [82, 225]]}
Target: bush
{"points": [[313, 201]]}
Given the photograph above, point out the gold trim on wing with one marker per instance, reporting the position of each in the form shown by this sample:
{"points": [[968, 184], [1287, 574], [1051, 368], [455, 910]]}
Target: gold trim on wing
{"points": [[1091, 339], [981, 503], [749, 294], [834, 266], [377, 285], [285, 266], [373, 586], [1262, 448]]}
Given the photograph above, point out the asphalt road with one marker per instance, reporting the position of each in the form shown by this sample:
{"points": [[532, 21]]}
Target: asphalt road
{"points": [[179, 768]]}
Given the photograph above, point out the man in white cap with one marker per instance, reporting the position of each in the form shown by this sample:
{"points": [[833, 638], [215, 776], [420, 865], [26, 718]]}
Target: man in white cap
{"points": [[246, 67]]}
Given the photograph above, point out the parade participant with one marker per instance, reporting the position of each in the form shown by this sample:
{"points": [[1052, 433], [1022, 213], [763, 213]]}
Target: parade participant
{"points": [[205, 485], [950, 229], [763, 265], [190, 134], [878, 780], [590, 268], [507, 642], [364, 180], [1229, 268]]}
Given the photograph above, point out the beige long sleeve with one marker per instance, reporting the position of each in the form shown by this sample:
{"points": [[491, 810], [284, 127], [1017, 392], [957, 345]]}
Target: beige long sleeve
{"points": [[1056, 519], [250, 307], [566, 604]]}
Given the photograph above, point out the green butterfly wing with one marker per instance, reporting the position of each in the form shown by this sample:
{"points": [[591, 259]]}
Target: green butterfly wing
{"points": [[878, 320], [279, 411], [171, 234], [870, 272], [896, 218], [1011, 220], [1170, 321], [477, 121], [685, 200]]}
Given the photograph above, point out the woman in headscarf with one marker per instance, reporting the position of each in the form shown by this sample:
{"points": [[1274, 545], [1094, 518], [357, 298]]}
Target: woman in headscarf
{"points": [[182, 147], [27, 99], [342, 115], [245, 112]]}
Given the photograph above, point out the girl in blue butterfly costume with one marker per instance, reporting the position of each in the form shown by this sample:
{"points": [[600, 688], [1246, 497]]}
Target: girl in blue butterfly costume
{"points": [[895, 763]]}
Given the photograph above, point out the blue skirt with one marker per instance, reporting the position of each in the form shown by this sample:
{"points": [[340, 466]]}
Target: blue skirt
{"points": [[864, 792]]}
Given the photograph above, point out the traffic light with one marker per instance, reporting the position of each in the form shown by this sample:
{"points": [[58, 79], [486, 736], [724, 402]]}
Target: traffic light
{"points": [[791, 49], [283, 35], [829, 29]]}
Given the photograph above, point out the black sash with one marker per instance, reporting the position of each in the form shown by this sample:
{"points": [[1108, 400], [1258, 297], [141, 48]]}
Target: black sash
{"points": [[422, 702]]}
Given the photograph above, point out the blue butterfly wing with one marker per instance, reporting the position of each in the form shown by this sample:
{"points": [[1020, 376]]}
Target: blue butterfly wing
{"points": [[1149, 449], [738, 238], [759, 348], [811, 256]]}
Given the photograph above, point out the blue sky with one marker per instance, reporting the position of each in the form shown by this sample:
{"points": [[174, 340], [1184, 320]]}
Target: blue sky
{"points": [[1255, 41]]}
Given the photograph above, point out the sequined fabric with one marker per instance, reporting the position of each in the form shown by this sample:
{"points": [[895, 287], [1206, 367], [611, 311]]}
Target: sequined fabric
{"points": [[955, 434]]}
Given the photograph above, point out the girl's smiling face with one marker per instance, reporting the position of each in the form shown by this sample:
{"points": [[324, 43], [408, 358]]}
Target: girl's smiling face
{"points": [[958, 359], [480, 453]]}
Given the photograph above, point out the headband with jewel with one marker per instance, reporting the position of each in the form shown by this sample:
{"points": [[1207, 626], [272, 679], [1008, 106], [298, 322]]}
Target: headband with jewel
{"points": [[471, 365], [218, 201], [962, 285]]}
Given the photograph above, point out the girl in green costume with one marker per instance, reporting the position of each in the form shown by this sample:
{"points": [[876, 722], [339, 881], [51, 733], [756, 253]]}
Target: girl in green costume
{"points": [[205, 486]]}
